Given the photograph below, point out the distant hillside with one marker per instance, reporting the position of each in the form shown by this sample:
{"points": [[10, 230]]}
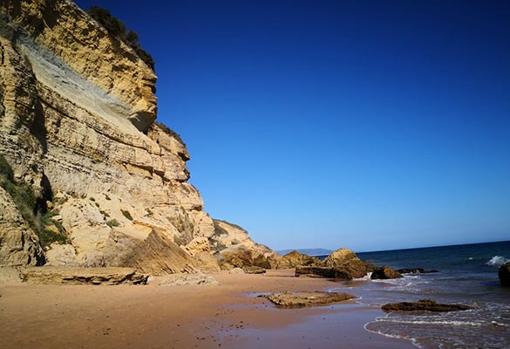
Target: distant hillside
{"points": [[308, 251]]}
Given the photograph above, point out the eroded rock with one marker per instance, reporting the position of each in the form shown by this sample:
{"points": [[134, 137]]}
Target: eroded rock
{"points": [[294, 259], [81, 276], [303, 299], [424, 305], [254, 270], [325, 272], [234, 248], [385, 273], [346, 260]]}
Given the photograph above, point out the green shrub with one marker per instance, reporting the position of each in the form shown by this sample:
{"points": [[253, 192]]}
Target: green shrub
{"points": [[127, 214], [47, 237], [5, 169], [112, 223]]}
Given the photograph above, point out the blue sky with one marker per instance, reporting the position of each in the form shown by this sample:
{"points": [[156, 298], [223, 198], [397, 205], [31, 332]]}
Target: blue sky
{"points": [[368, 124]]}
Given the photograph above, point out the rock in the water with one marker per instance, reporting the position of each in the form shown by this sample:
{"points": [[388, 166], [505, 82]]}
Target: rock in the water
{"points": [[254, 270], [416, 271], [325, 272], [424, 305], [385, 273], [294, 259], [79, 276], [504, 274], [303, 299], [182, 279], [348, 261]]}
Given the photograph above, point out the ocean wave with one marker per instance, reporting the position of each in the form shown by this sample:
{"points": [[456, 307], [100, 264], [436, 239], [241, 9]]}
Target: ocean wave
{"points": [[389, 335], [438, 322], [497, 261]]}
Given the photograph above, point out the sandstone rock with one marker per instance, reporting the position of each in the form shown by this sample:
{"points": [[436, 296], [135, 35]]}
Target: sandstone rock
{"points": [[236, 271], [295, 258], [183, 279], [347, 260], [10, 275], [325, 272], [385, 273], [504, 274], [424, 305], [254, 270], [235, 249], [78, 276], [61, 255], [303, 299]]}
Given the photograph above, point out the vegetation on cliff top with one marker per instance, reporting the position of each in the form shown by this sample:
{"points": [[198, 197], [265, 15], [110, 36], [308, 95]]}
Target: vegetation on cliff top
{"points": [[116, 28]]}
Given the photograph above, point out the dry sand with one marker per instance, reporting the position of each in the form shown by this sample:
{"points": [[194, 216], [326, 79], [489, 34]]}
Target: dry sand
{"points": [[228, 315]]}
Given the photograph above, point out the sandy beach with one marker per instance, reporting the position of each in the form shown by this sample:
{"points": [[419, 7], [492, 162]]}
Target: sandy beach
{"points": [[227, 315]]}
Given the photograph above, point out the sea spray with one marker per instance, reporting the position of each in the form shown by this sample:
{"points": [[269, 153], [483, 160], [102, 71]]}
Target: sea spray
{"points": [[497, 261]]}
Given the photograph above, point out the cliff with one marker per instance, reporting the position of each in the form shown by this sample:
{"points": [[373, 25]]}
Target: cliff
{"points": [[78, 136]]}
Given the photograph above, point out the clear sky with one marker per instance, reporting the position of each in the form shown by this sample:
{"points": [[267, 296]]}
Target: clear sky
{"points": [[368, 124]]}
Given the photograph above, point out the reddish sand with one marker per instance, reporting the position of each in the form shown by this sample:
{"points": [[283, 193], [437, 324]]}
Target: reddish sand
{"points": [[227, 315]]}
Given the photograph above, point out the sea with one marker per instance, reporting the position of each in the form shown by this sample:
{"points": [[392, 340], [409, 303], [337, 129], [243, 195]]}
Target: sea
{"points": [[466, 274]]}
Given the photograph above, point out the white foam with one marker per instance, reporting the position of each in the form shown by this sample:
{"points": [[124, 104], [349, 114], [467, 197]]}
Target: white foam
{"points": [[497, 261]]}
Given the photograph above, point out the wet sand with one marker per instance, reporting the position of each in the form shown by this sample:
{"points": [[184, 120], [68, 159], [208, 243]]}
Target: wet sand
{"points": [[228, 315]]}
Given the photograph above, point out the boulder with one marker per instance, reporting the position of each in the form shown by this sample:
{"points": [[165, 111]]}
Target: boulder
{"points": [[303, 299], [385, 273], [424, 305], [504, 274], [294, 259], [254, 270], [347, 261], [80, 276], [325, 272]]}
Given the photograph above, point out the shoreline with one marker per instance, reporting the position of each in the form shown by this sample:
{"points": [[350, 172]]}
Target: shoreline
{"points": [[227, 315]]}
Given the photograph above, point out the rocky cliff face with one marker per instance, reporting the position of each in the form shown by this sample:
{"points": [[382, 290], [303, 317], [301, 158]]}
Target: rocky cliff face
{"points": [[77, 111]]}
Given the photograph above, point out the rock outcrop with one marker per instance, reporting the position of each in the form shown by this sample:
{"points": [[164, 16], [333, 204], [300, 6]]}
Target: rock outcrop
{"points": [[381, 273], [504, 274], [346, 260], [294, 259], [77, 111], [324, 272], [304, 299], [424, 305], [81, 276], [234, 248]]}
